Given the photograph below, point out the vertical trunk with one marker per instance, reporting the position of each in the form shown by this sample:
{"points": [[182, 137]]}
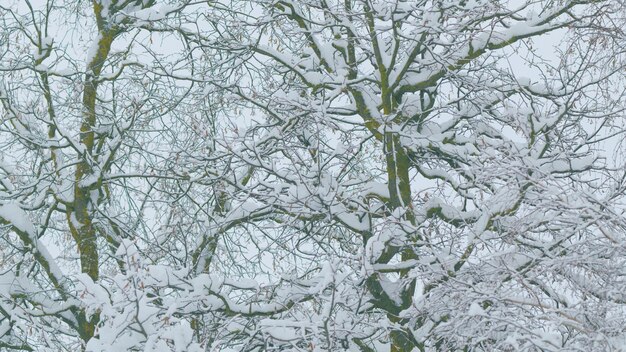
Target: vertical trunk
{"points": [[400, 197], [79, 216], [399, 186]]}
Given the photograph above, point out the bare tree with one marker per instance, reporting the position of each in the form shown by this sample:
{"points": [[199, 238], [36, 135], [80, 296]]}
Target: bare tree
{"points": [[311, 175], [404, 132]]}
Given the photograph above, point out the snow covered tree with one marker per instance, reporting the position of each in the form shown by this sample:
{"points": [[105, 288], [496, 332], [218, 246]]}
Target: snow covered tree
{"points": [[405, 133], [94, 168], [426, 175]]}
